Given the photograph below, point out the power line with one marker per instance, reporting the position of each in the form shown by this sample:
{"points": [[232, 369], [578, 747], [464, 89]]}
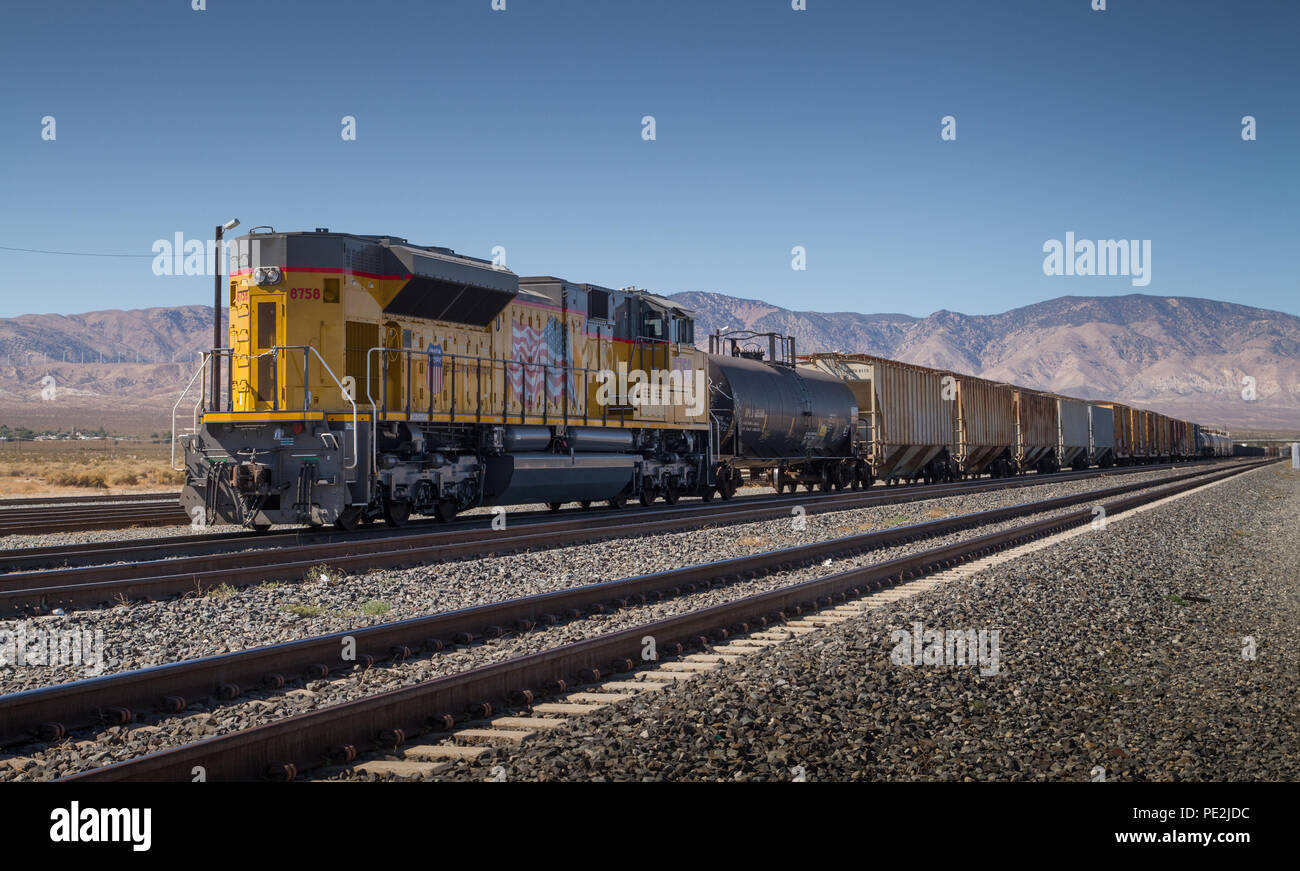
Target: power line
{"points": [[71, 253]]}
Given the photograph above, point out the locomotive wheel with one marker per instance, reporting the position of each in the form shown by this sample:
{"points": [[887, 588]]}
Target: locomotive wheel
{"points": [[554, 506], [670, 494], [397, 513]]}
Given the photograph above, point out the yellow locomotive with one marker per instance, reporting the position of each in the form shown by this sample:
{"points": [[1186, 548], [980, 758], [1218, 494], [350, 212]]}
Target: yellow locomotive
{"points": [[366, 376]]}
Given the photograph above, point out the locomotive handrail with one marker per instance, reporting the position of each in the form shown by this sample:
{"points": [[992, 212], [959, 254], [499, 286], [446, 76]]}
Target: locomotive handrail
{"points": [[307, 352], [202, 370], [274, 353], [506, 366], [566, 414]]}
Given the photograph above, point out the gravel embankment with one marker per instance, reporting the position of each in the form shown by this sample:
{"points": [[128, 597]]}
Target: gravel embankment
{"points": [[39, 762], [140, 634], [1121, 652]]}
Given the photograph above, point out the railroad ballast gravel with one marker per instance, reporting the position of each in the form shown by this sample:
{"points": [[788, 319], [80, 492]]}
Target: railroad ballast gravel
{"points": [[38, 762], [140, 634], [1125, 654]]}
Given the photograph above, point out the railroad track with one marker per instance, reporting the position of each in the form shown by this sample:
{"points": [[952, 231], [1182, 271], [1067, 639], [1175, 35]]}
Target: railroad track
{"points": [[91, 553], [282, 748], [84, 519], [140, 574], [41, 515], [89, 500]]}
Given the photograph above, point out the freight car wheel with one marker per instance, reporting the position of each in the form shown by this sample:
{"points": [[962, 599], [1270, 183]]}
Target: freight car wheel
{"points": [[348, 519], [585, 504], [617, 502], [261, 527], [707, 493], [647, 498], [397, 513], [554, 506], [671, 494], [445, 511], [726, 482]]}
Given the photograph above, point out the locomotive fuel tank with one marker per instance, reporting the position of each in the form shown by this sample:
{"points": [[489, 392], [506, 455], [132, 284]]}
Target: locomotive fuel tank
{"points": [[772, 411]]}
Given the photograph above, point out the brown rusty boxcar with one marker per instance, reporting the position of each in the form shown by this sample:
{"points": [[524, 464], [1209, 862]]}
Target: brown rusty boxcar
{"points": [[1037, 430], [1123, 449], [984, 426], [1186, 440], [1161, 441], [905, 413], [1141, 434]]}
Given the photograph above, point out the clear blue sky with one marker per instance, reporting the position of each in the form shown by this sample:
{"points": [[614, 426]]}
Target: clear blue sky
{"points": [[775, 128]]}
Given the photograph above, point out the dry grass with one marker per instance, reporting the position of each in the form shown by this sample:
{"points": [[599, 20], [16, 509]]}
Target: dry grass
{"points": [[751, 541], [67, 468]]}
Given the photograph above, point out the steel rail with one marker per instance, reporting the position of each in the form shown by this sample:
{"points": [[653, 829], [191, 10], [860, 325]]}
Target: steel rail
{"points": [[115, 551], [96, 499], [51, 711], [80, 520], [96, 585], [280, 749]]}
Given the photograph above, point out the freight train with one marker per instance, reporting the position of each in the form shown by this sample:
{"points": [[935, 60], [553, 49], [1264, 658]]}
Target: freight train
{"points": [[368, 377]]}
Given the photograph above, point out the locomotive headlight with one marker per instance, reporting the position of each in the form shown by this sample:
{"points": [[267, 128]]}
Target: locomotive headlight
{"points": [[267, 275]]}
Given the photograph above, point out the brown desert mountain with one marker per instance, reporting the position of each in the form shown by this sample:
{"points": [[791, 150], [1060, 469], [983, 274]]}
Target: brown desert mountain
{"points": [[1178, 355]]}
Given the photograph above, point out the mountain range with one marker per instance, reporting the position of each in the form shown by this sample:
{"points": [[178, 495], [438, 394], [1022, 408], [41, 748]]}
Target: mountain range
{"points": [[1179, 355]]}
